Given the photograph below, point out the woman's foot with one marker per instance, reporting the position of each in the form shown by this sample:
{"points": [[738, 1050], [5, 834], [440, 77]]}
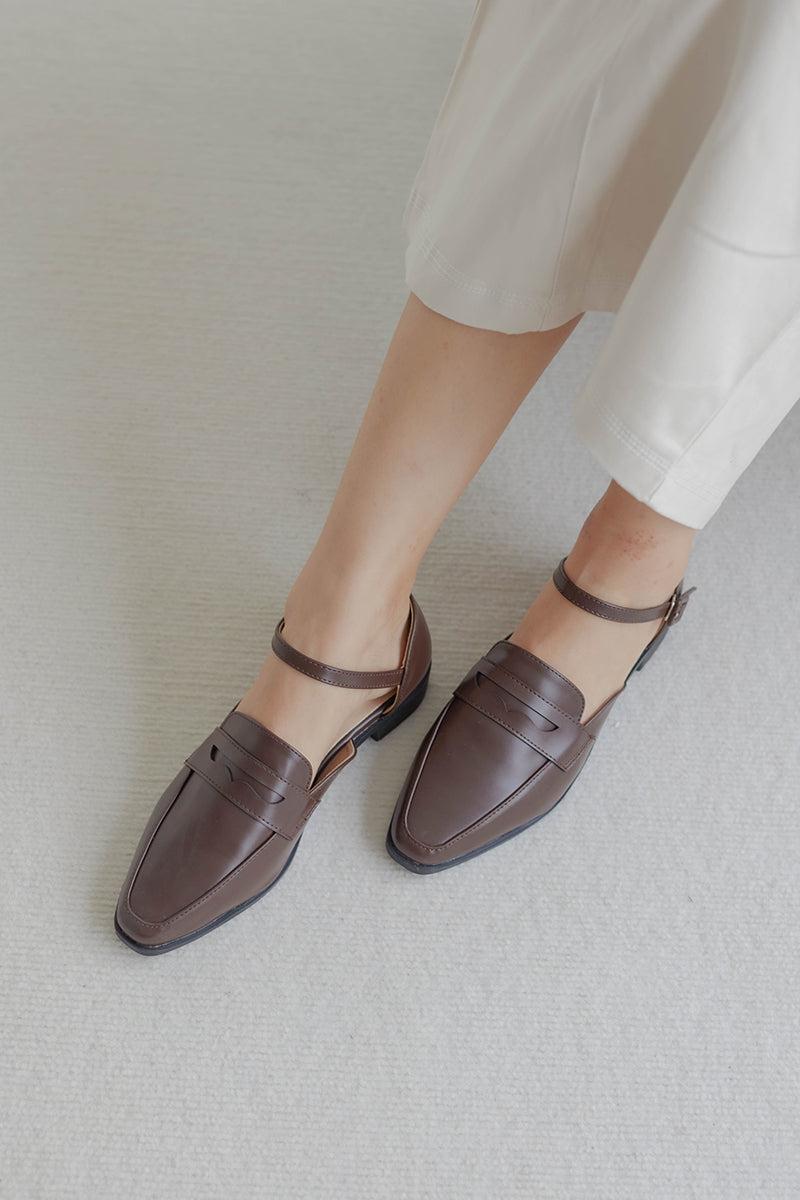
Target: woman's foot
{"points": [[515, 735], [361, 634], [595, 654], [627, 554], [226, 828]]}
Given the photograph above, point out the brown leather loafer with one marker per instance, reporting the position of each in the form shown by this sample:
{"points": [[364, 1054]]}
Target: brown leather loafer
{"points": [[228, 825], [507, 746]]}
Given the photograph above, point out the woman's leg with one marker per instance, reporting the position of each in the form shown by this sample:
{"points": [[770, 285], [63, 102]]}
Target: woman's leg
{"points": [[444, 394], [627, 554]]}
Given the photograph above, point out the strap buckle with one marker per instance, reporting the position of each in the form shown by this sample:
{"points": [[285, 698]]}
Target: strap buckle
{"points": [[677, 605]]}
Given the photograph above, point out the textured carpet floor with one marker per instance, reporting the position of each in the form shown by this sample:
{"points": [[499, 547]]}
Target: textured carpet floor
{"points": [[202, 269]]}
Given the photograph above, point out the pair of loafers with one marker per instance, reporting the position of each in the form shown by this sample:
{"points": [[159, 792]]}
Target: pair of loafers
{"points": [[504, 750]]}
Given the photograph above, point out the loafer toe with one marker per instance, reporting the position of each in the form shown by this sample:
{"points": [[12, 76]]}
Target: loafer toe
{"points": [[503, 751], [454, 792], [202, 857]]}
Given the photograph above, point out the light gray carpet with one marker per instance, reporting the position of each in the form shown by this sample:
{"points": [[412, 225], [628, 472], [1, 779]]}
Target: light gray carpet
{"points": [[202, 269]]}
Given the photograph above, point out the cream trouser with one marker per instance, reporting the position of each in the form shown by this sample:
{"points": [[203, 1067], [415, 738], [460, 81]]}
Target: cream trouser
{"points": [[641, 159]]}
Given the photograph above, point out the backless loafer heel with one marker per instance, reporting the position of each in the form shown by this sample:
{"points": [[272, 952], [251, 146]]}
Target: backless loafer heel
{"points": [[228, 825], [507, 746]]}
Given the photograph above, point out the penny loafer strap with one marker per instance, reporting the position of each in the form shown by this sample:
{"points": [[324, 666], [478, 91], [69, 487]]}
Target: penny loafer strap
{"points": [[671, 610], [507, 701], [252, 785], [327, 674]]}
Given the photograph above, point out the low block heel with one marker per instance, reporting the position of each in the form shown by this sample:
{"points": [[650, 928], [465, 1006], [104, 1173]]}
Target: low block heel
{"points": [[403, 710], [649, 651]]}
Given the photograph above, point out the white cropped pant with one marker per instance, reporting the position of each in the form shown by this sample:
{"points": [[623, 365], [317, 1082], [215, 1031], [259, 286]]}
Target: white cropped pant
{"points": [[638, 158]]}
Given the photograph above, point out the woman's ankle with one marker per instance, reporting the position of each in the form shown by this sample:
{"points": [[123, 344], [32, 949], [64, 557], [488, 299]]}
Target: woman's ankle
{"points": [[627, 553], [356, 619]]}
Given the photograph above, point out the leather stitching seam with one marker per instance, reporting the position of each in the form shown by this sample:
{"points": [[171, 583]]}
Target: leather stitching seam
{"points": [[576, 600], [196, 903], [340, 683], [515, 732], [533, 692], [573, 686], [252, 758], [394, 675], [244, 808], [263, 765], [223, 882], [262, 730], [494, 813]]}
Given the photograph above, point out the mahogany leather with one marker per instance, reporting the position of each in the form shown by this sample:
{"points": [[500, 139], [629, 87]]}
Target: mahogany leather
{"points": [[228, 823], [505, 748]]}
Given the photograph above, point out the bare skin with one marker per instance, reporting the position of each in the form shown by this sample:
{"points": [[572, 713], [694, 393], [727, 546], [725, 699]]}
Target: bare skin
{"points": [[627, 554], [444, 395]]}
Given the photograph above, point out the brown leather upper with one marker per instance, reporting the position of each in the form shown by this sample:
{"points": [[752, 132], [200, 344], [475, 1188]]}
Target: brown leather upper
{"points": [[506, 746], [229, 821], [220, 816], [544, 711]]}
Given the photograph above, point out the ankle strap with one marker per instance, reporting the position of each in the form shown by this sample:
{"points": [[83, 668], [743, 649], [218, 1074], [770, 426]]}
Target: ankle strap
{"points": [[671, 610], [326, 674]]}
